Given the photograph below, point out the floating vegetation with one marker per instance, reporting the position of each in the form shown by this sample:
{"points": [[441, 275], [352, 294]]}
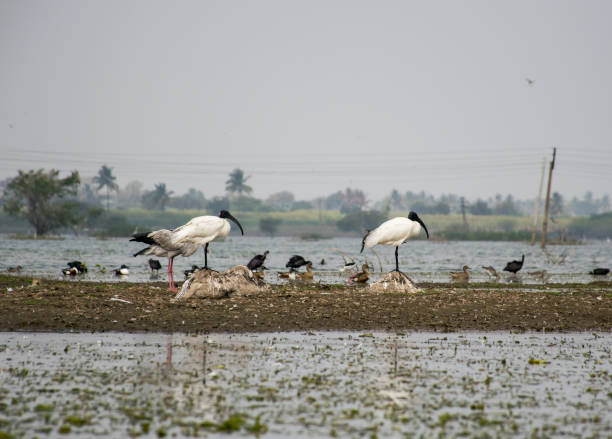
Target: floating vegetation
{"points": [[335, 384]]}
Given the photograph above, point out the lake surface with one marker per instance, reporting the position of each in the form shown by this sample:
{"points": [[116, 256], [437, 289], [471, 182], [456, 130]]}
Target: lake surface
{"points": [[299, 385], [424, 261]]}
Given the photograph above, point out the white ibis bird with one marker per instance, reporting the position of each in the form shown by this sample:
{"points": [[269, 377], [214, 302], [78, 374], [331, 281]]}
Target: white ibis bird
{"points": [[257, 261], [599, 271], [461, 275], [122, 271], [161, 245], [514, 266], [295, 261], [185, 240], [395, 232], [204, 229], [155, 265]]}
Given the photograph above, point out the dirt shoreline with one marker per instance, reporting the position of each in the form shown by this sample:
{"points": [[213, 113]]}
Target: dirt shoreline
{"points": [[55, 305]]}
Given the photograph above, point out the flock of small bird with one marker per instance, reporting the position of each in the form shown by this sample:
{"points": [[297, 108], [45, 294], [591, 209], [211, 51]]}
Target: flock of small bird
{"points": [[201, 230]]}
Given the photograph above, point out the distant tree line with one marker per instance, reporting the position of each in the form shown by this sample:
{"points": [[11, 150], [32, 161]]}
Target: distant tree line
{"points": [[49, 202]]}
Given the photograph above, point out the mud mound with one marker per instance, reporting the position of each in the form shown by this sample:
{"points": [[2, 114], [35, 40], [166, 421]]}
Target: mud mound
{"points": [[396, 282], [238, 281]]}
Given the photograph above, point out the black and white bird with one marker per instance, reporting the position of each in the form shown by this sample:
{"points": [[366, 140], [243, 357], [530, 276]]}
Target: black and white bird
{"points": [[185, 240], [74, 268], [600, 271], [257, 261], [295, 262], [78, 265], [122, 271], [395, 232], [191, 270], [514, 266], [154, 265]]}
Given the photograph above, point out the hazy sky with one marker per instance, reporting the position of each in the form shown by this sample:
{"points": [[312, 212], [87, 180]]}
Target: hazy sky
{"points": [[311, 96]]}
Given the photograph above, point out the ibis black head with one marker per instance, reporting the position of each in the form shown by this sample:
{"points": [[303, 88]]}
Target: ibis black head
{"points": [[226, 214], [412, 216]]}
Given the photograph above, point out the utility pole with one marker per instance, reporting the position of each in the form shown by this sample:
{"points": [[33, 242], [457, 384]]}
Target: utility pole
{"points": [[465, 224], [538, 202], [545, 221]]}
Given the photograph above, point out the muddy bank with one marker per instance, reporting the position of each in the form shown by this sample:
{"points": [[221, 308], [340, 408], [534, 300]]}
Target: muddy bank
{"points": [[94, 306]]}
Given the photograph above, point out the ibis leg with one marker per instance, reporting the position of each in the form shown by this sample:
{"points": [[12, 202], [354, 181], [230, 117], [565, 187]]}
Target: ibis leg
{"points": [[171, 286], [206, 256], [396, 260]]}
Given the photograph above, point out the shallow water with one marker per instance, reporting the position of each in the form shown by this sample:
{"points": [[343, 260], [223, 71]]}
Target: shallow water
{"points": [[424, 261], [343, 384]]}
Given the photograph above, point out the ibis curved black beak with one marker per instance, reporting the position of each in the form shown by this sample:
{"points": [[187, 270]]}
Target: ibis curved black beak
{"points": [[226, 214], [424, 226], [363, 240]]}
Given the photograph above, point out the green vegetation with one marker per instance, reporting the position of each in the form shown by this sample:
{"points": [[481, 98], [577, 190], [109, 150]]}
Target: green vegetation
{"points": [[40, 198], [269, 225], [105, 178], [44, 202], [594, 227]]}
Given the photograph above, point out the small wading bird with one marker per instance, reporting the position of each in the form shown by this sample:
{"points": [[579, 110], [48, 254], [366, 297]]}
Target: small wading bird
{"points": [[185, 240], [257, 261], [16, 269], [155, 265], [600, 271], [514, 266], [122, 271], [394, 232], [492, 271], [461, 275], [348, 265], [362, 276], [542, 274]]}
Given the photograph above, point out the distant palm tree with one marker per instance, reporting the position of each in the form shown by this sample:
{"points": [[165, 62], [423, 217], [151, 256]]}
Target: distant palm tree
{"points": [[237, 182], [157, 198], [105, 178]]}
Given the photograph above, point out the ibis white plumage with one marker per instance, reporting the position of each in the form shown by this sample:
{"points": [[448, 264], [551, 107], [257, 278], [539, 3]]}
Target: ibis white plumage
{"points": [[395, 232], [186, 239]]}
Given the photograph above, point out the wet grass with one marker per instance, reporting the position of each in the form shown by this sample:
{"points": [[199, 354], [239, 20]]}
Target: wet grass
{"points": [[344, 384]]}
